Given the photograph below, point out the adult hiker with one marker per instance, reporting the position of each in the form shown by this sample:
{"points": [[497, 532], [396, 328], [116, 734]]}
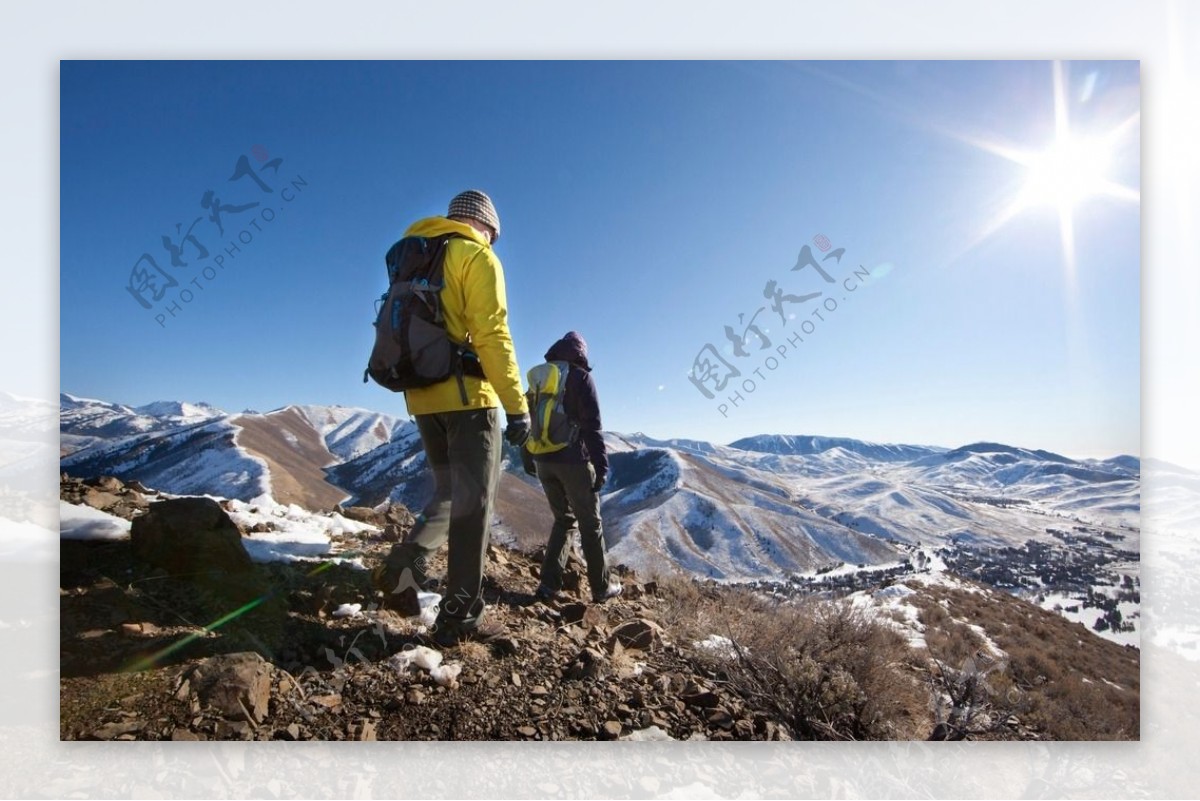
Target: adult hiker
{"points": [[570, 461], [459, 423]]}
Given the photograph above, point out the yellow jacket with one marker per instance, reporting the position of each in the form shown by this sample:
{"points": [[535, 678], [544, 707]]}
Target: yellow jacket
{"points": [[476, 311]]}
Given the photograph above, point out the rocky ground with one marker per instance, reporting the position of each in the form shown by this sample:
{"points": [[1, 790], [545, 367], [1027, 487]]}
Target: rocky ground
{"points": [[277, 652]]}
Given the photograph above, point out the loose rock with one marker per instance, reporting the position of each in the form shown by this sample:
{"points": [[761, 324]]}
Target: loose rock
{"points": [[235, 685]]}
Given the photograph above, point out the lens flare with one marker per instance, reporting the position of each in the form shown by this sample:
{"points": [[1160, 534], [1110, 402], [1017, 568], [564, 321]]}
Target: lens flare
{"points": [[149, 661]]}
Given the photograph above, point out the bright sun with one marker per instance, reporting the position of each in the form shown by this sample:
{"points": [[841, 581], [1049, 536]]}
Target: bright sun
{"points": [[1070, 170]]}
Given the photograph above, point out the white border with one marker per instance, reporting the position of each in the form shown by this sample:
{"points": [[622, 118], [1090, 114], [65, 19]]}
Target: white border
{"points": [[1160, 34]]}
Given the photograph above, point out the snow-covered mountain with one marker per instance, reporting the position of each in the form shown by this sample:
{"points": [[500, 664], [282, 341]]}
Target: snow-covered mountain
{"points": [[666, 509], [804, 445], [778, 505], [190, 448], [25, 418], [349, 433], [765, 507], [392, 471], [179, 410], [202, 458], [1110, 488], [84, 422]]}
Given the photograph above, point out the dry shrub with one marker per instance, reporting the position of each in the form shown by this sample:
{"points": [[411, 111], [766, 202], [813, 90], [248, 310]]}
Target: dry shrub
{"points": [[828, 672], [823, 669], [474, 653], [1057, 668], [973, 693], [952, 642], [683, 598]]}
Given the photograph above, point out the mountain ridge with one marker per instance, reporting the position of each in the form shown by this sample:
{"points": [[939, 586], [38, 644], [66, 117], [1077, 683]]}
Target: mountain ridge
{"points": [[763, 508]]}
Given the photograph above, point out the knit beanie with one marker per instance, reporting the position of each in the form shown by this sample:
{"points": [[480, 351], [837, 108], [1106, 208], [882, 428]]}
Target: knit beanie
{"points": [[475, 205]]}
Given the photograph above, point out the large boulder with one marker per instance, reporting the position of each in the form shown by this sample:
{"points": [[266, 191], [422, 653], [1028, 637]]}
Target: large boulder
{"points": [[189, 536]]}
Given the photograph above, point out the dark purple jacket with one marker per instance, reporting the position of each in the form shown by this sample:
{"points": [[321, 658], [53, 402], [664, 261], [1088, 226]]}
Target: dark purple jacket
{"points": [[581, 405]]}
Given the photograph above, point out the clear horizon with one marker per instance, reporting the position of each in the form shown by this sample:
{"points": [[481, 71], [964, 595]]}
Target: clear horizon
{"points": [[648, 206]]}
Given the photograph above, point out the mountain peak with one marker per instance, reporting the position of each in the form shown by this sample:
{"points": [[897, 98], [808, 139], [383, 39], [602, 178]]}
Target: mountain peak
{"points": [[810, 445], [997, 448], [184, 409]]}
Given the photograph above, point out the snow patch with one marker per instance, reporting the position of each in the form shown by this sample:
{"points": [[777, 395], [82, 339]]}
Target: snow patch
{"points": [[650, 734], [429, 660], [890, 606], [348, 610], [86, 523], [718, 646], [296, 532]]}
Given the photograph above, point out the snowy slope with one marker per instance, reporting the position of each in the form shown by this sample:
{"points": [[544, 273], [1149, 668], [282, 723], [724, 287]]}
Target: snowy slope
{"points": [[394, 470], [84, 421], [665, 510], [294, 533], [349, 432], [279, 532], [996, 466], [764, 507], [806, 445], [779, 504], [86, 523], [188, 448], [193, 460], [1176, 496], [1108, 491]]}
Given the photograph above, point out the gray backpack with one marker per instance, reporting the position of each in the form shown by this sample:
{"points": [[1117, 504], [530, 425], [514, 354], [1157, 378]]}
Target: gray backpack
{"points": [[412, 348]]}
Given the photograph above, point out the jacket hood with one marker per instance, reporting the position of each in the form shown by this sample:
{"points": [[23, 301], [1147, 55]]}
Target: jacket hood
{"points": [[436, 226], [571, 348]]}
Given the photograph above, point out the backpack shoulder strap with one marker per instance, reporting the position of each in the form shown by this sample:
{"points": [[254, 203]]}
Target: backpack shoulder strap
{"points": [[423, 252]]}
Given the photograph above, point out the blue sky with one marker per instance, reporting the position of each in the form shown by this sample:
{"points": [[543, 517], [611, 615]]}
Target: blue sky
{"points": [[644, 204]]}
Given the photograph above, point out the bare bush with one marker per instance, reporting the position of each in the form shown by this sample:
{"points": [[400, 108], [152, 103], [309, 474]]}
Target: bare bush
{"points": [[976, 700], [822, 669], [1071, 684]]}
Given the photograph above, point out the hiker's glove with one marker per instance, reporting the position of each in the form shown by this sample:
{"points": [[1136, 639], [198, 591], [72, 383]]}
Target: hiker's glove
{"points": [[599, 482], [517, 430]]}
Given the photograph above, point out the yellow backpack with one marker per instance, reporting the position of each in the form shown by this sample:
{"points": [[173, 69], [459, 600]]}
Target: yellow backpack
{"points": [[550, 429]]}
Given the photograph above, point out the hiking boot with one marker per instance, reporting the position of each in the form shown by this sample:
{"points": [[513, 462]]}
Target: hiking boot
{"points": [[389, 579], [546, 595], [404, 602], [613, 589], [449, 635]]}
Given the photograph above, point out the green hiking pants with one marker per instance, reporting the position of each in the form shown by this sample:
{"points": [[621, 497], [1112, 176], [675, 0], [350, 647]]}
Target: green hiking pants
{"points": [[568, 488], [463, 450]]}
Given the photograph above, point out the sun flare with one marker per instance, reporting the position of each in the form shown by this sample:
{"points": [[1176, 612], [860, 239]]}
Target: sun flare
{"points": [[1074, 167]]}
